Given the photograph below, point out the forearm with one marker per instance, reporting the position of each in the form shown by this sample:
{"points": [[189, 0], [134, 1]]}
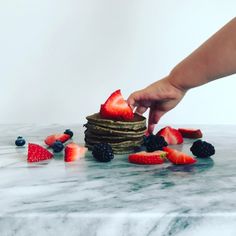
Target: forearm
{"points": [[214, 59]]}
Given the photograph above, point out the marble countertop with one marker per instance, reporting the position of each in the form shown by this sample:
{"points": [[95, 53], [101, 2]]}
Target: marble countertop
{"points": [[117, 198]]}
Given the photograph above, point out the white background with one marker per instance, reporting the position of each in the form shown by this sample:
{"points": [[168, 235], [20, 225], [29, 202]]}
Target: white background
{"points": [[60, 59]]}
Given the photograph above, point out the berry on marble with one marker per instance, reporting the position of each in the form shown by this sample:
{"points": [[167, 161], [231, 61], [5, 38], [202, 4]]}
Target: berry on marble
{"points": [[178, 157], [57, 146], [202, 149], [147, 158], [73, 152], [190, 133], [20, 141], [50, 140], [103, 152], [154, 142], [38, 153], [69, 132], [172, 136]]}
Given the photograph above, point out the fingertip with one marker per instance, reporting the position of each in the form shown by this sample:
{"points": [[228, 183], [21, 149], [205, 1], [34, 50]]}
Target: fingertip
{"points": [[130, 100], [140, 110], [151, 128]]}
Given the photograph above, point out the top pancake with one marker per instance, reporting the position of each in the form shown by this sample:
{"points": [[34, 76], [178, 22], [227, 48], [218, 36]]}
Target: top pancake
{"points": [[138, 123]]}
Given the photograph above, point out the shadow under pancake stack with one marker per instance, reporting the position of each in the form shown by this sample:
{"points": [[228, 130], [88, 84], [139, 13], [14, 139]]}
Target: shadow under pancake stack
{"points": [[123, 136]]}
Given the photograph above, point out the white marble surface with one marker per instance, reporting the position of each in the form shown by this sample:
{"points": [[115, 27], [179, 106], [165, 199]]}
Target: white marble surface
{"points": [[116, 198]]}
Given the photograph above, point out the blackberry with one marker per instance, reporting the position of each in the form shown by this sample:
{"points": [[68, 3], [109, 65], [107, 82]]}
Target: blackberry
{"points": [[57, 146], [154, 142], [139, 148], [69, 132], [20, 141], [202, 149], [103, 152]]}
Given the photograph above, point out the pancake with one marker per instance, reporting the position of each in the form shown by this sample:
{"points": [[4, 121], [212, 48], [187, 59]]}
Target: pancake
{"points": [[100, 130], [118, 144], [138, 123], [123, 136], [107, 138]]}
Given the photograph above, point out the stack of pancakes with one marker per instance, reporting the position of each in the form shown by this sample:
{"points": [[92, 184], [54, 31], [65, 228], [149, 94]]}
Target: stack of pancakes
{"points": [[123, 136]]}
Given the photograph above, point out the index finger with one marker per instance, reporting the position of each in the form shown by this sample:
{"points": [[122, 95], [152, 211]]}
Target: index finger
{"points": [[132, 101]]}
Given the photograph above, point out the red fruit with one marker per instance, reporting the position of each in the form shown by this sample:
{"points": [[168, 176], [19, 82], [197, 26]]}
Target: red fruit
{"points": [[177, 157], [116, 108], [73, 152], [172, 136], [190, 133], [37, 153], [50, 140], [147, 158]]}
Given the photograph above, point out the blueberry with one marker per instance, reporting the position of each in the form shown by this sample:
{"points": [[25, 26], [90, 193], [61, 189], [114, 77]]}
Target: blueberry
{"points": [[69, 132], [20, 141], [57, 146]]}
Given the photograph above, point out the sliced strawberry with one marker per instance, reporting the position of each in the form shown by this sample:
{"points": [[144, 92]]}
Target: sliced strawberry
{"points": [[73, 152], [38, 153], [116, 108], [147, 158], [190, 133], [172, 136], [177, 157], [50, 140]]}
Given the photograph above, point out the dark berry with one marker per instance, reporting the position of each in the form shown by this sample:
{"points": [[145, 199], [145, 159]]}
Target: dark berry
{"points": [[154, 142], [103, 152], [69, 132], [20, 141], [139, 148], [57, 146], [145, 139], [202, 149]]}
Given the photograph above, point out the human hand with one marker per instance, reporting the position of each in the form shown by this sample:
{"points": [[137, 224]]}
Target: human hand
{"points": [[160, 97]]}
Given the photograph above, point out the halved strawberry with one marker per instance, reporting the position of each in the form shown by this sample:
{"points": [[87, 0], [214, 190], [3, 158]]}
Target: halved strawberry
{"points": [[147, 158], [177, 157], [73, 152], [172, 136], [190, 133], [38, 153], [116, 108], [50, 140]]}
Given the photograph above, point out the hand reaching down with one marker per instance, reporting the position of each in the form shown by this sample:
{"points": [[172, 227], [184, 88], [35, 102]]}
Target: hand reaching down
{"points": [[160, 97]]}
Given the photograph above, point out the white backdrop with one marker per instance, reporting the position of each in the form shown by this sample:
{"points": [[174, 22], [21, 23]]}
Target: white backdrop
{"points": [[60, 59]]}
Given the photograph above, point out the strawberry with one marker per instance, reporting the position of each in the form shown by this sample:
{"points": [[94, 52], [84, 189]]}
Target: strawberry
{"points": [[50, 140], [147, 158], [116, 108], [177, 157], [73, 152], [172, 136], [190, 133], [38, 153]]}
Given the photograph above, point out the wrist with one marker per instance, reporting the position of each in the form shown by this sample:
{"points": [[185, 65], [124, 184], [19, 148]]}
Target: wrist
{"points": [[175, 79]]}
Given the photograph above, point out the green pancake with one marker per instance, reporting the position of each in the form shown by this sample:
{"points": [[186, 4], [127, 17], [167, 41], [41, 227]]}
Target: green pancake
{"points": [[123, 144], [123, 136], [107, 138], [100, 130], [138, 123]]}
